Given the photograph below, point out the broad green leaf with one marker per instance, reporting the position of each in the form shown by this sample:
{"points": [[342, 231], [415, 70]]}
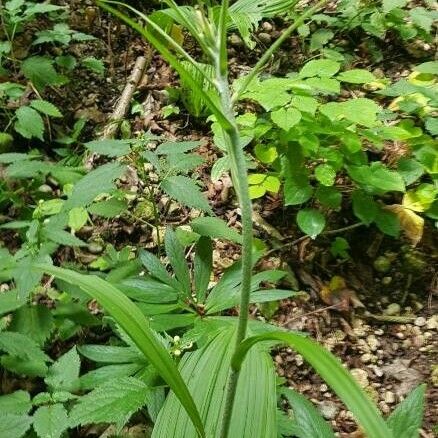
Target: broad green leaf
{"points": [[306, 417], [50, 421], [98, 181], [148, 290], [286, 118], [407, 418], [334, 374], [64, 373], [430, 67], [14, 426], [320, 38], [320, 67], [185, 191], [431, 124], [176, 256], [12, 157], [329, 197], [362, 111], [16, 403], [256, 192], [207, 377], [9, 302], [19, 345], [113, 402], [203, 266], [77, 218], [388, 222], [40, 71], [35, 321], [101, 375], [356, 76], [364, 207], [311, 222], [61, 237], [215, 228], [134, 323], [169, 147], [157, 270], [325, 174], [109, 148], [389, 5], [108, 208], [423, 18], [410, 170], [110, 353], [29, 123], [324, 85], [46, 108]]}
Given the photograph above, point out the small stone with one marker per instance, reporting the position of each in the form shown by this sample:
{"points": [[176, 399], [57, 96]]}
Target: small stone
{"points": [[361, 377], [407, 343], [328, 409], [392, 309], [384, 407], [95, 248], [267, 26], [386, 281], [379, 332], [264, 38], [432, 323], [389, 397], [377, 371], [372, 342], [299, 360], [420, 321], [367, 358], [418, 341], [323, 388], [235, 40]]}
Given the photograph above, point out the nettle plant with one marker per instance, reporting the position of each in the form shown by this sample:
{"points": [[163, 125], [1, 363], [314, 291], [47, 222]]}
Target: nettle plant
{"points": [[23, 106], [224, 382], [326, 153]]}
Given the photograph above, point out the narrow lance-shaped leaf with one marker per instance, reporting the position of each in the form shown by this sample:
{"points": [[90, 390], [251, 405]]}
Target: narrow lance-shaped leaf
{"points": [[332, 371], [134, 323]]}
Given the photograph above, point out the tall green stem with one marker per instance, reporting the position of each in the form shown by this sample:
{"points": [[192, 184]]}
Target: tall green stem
{"points": [[240, 180]]}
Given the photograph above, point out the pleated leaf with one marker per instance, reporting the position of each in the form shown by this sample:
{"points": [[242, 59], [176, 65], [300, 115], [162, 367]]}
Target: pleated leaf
{"points": [[206, 372], [332, 371]]}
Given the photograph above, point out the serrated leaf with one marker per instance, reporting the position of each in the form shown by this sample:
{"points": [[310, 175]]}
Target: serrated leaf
{"points": [[14, 426], [50, 421], [221, 166], [40, 71], [46, 108], [33, 321], [185, 191], [95, 378], [16, 403], [175, 254], [388, 223], [407, 418], [95, 65], [286, 118], [389, 5], [362, 111], [98, 181], [64, 373], [113, 402], [61, 237], [19, 345], [215, 228], [109, 148], [325, 174], [29, 123], [311, 222], [169, 147], [9, 302]]}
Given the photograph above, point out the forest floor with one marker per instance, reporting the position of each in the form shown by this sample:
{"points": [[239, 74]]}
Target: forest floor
{"points": [[386, 334]]}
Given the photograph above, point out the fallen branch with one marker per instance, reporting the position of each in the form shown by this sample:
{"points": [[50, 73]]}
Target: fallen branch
{"points": [[122, 106]]}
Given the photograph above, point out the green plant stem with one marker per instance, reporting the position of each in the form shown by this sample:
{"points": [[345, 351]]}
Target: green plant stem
{"points": [[275, 46], [240, 181]]}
